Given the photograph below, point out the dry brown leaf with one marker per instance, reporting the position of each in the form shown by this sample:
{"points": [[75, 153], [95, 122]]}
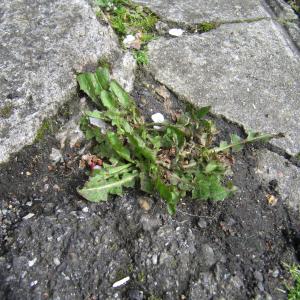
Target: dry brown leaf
{"points": [[163, 92]]}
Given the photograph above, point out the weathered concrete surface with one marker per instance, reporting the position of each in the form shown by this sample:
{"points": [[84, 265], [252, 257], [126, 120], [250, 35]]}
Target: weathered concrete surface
{"points": [[293, 29], [247, 72], [271, 166], [193, 12], [123, 71], [43, 43], [280, 9]]}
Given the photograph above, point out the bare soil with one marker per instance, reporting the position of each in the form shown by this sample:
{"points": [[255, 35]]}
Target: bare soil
{"points": [[71, 249]]}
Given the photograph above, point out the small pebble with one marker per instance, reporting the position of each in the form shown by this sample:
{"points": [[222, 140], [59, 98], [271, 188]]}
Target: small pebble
{"points": [[275, 273], [155, 259], [202, 224], [258, 276], [144, 203], [85, 209], [56, 261], [56, 188], [56, 156], [33, 283], [121, 282], [32, 262], [46, 187], [30, 215]]}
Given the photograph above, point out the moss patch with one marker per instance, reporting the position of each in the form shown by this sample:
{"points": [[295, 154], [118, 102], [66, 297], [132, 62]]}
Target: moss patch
{"points": [[206, 26], [46, 128], [6, 111]]}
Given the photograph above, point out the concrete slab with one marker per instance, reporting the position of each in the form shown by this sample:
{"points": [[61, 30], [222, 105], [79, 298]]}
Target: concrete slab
{"points": [[270, 167], [247, 72], [194, 12], [43, 44]]}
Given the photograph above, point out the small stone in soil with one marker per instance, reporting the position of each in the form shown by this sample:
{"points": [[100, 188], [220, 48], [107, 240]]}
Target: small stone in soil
{"points": [[121, 282], [56, 156], [32, 262], [202, 223], [30, 215], [145, 203], [85, 209], [258, 276], [208, 255], [56, 261]]}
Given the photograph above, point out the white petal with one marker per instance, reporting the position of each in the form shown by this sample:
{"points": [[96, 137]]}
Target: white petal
{"points": [[158, 118], [176, 32], [129, 39]]}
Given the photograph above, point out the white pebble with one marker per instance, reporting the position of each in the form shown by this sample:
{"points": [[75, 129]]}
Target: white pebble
{"points": [[56, 261], [176, 32], [121, 282], [33, 283], [32, 262], [85, 209], [30, 215]]}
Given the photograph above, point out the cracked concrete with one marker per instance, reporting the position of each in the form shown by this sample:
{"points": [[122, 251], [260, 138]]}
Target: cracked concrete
{"points": [[195, 12], [247, 70], [43, 45], [272, 166]]}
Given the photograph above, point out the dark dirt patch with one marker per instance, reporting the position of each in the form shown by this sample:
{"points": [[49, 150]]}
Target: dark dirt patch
{"points": [[71, 249]]}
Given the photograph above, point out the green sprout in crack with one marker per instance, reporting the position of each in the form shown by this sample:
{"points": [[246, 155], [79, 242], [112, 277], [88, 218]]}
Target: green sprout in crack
{"points": [[204, 27], [295, 4], [127, 19], [171, 159], [141, 57], [294, 289]]}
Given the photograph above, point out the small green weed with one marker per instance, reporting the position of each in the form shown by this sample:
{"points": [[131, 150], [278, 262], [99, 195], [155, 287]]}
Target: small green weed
{"points": [[127, 18], [294, 291], [141, 277], [141, 57], [171, 159], [295, 5]]}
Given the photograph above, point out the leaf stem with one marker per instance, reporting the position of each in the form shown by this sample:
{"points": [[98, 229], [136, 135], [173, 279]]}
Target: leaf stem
{"points": [[246, 141]]}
